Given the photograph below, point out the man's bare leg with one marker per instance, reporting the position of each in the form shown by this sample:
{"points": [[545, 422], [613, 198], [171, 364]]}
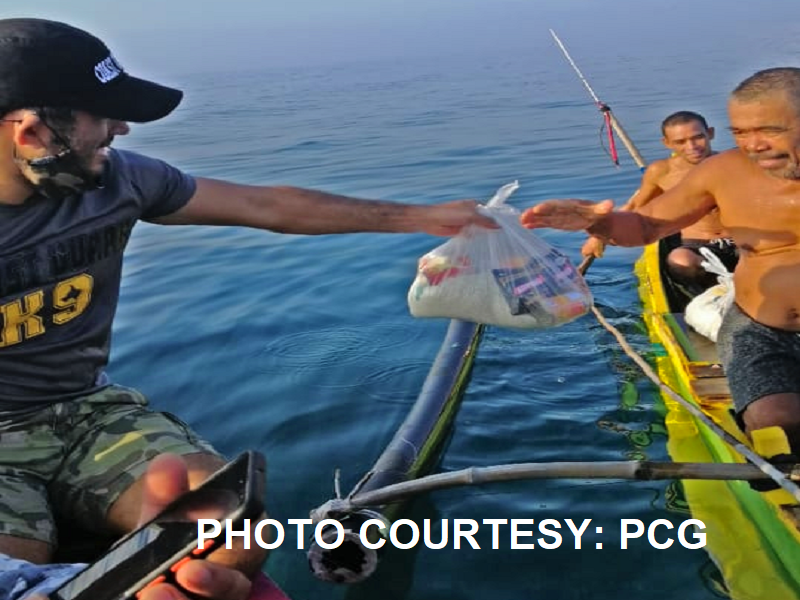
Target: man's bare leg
{"points": [[25, 549]]}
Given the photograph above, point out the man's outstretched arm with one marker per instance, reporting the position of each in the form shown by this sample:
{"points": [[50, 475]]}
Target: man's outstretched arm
{"points": [[668, 213], [288, 209]]}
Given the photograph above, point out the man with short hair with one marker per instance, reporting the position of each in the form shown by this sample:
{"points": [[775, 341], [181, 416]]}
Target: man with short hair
{"points": [[69, 438], [687, 135], [756, 189]]}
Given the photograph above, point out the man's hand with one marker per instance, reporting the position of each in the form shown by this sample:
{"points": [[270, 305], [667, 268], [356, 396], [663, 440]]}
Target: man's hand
{"points": [[166, 479], [205, 579], [451, 217], [569, 215], [594, 246]]}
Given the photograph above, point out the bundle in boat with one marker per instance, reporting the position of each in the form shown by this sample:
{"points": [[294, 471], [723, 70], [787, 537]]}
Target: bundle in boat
{"points": [[705, 311], [508, 276]]}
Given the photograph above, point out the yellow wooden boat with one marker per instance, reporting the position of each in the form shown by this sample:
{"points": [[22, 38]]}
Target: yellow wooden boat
{"points": [[754, 537]]}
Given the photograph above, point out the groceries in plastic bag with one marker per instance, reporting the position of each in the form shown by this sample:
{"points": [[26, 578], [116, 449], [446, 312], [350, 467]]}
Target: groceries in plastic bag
{"points": [[508, 277], [705, 311]]}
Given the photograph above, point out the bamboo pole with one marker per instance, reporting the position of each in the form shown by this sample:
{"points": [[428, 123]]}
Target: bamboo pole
{"points": [[602, 106], [627, 142], [585, 264], [636, 470]]}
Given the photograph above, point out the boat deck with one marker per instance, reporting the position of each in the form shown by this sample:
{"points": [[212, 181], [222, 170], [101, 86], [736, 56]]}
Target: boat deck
{"points": [[704, 348], [708, 376]]}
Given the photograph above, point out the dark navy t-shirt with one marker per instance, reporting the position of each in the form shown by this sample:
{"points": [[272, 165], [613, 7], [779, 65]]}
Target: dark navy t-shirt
{"points": [[60, 268]]}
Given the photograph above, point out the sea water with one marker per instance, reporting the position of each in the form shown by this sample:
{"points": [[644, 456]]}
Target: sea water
{"points": [[302, 347]]}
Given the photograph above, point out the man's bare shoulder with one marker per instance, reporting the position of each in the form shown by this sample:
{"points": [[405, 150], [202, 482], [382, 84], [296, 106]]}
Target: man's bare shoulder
{"points": [[654, 173], [657, 168], [721, 164], [718, 169], [723, 159]]}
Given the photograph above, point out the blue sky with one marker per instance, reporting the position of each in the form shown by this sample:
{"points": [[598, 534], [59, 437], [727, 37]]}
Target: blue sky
{"points": [[179, 36]]}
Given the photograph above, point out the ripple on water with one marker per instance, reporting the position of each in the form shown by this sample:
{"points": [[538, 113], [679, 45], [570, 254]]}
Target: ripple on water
{"points": [[386, 383], [393, 371], [332, 346]]}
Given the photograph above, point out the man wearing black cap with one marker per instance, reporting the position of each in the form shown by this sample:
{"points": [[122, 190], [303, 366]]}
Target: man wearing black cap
{"points": [[68, 437]]}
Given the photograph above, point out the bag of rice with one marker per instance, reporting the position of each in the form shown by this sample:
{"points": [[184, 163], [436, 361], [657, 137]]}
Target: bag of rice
{"points": [[507, 277]]}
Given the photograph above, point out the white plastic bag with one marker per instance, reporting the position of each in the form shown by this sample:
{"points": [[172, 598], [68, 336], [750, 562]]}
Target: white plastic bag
{"points": [[507, 277], [704, 312]]}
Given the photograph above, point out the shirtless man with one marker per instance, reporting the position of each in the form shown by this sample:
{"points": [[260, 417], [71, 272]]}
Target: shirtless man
{"points": [[756, 188], [688, 136]]}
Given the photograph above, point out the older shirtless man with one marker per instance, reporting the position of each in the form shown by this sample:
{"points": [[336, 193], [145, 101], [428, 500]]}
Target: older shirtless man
{"points": [[756, 188], [688, 136]]}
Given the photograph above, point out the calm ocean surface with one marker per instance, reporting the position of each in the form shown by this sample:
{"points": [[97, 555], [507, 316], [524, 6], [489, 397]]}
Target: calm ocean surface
{"points": [[303, 347]]}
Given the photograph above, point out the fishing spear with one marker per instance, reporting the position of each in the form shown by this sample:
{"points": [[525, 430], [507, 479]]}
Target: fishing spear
{"points": [[611, 121]]}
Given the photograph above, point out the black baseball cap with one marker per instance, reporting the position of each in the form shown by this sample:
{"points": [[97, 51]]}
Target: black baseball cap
{"points": [[47, 63]]}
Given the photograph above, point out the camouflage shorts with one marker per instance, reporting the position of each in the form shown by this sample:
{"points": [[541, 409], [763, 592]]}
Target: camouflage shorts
{"points": [[74, 459]]}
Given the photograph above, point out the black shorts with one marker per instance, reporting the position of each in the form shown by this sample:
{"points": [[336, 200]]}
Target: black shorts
{"points": [[724, 248], [759, 360]]}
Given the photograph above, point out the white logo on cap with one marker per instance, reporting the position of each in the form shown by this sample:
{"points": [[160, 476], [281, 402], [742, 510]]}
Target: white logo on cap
{"points": [[107, 69]]}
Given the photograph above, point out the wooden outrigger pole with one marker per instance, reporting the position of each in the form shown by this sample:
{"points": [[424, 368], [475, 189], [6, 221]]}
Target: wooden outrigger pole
{"points": [[608, 114], [633, 470]]}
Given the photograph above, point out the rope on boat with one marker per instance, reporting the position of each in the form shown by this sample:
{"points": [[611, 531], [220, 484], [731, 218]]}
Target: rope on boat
{"points": [[764, 465]]}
